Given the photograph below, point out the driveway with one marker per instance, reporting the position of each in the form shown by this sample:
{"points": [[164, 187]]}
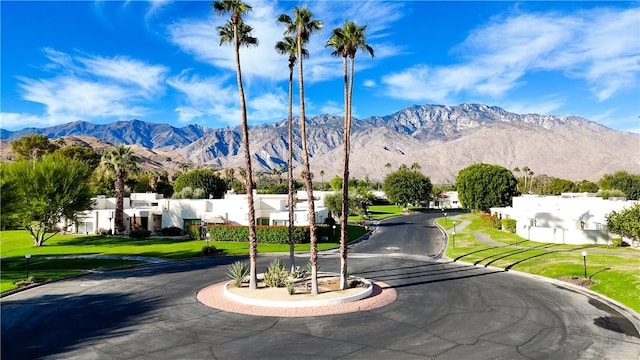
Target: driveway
{"points": [[443, 310]]}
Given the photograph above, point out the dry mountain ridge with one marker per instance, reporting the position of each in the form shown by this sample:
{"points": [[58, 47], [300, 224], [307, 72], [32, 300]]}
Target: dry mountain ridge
{"points": [[441, 139]]}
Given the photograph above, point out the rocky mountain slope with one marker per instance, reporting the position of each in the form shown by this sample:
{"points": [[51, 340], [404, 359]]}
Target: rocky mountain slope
{"points": [[441, 139]]}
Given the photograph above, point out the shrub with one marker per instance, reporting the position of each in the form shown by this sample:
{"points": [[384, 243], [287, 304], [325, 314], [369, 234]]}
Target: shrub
{"points": [[276, 275], [616, 242], [172, 231], [509, 225], [139, 234], [208, 250], [194, 232], [237, 272], [330, 221], [290, 288], [264, 234], [492, 221], [309, 267], [299, 273]]}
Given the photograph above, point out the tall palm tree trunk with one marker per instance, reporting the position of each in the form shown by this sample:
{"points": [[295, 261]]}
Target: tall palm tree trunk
{"points": [[253, 247], [290, 172], [345, 183], [119, 215], [306, 175]]}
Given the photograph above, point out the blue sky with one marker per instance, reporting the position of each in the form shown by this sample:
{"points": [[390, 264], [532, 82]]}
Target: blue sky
{"points": [[160, 61]]}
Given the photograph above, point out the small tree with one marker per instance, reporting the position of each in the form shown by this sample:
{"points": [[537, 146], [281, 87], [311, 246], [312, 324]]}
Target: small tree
{"points": [[622, 180], [625, 222], [406, 186], [33, 147], [51, 189], [204, 179], [483, 186]]}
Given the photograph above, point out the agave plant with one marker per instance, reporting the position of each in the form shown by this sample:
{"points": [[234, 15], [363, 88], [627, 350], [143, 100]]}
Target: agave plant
{"points": [[237, 272], [276, 275]]}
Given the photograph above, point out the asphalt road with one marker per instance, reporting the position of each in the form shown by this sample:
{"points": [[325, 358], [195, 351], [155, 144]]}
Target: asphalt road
{"points": [[443, 310]]}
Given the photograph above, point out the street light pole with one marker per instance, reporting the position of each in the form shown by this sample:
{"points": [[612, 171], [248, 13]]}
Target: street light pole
{"points": [[28, 257], [454, 237], [584, 259], [445, 219]]}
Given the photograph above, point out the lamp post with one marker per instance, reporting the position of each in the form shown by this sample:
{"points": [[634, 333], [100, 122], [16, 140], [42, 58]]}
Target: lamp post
{"points": [[334, 230], [445, 219], [454, 237], [28, 257], [584, 260]]}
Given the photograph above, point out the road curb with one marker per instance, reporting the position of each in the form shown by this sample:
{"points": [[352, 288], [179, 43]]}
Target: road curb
{"points": [[624, 310]]}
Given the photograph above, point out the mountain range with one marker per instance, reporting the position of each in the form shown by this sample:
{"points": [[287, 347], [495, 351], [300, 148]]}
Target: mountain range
{"points": [[441, 139]]}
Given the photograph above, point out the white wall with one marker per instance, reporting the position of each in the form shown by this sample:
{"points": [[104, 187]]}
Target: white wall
{"points": [[565, 219]]}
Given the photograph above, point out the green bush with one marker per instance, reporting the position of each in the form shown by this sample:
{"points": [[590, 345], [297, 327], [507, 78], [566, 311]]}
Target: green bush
{"points": [[208, 250], [194, 232], [616, 242], [139, 234], [509, 225], [172, 231], [264, 234], [492, 221]]}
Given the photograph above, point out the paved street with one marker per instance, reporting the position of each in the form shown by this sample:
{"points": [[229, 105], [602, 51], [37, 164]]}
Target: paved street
{"points": [[443, 310]]}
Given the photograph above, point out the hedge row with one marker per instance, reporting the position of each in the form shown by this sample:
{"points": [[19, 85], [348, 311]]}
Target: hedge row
{"points": [[264, 234]]}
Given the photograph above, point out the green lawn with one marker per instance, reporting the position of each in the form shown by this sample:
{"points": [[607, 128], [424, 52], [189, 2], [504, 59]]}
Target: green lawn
{"points": [[15, 244], [379, 212], [614, 270]]}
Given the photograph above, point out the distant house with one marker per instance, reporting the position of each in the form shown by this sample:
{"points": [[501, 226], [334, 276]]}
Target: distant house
{"points": [[571, 218], [153, 212], [448, 200]]}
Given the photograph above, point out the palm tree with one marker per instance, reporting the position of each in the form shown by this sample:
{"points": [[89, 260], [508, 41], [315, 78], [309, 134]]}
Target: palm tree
{"points": [[238, 33], [345, 42], [525, 170], [289, 46], [303, 25], [119, 161]]}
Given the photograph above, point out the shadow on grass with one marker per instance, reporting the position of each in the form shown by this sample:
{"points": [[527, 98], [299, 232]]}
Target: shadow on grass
{"points": [[511, 253], [117, 241], [509, 267], [479, 251]]}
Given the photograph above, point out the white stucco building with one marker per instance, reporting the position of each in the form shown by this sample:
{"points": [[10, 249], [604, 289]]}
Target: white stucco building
{"points": [[572, 218], [448, 200], [153, 212]]}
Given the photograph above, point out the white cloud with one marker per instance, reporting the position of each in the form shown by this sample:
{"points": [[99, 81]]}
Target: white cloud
{"points": [[598, 46], [369, 83], [543, 106], [200, 38], [333, 108], [89, 87], [16, 120], [147, 77], [217, 99]]}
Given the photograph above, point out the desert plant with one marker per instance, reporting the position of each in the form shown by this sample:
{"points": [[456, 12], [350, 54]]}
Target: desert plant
{"points": [[276, 275], [290, 288], [309, 267], [349, 272], [237, 272], [299, 273]]}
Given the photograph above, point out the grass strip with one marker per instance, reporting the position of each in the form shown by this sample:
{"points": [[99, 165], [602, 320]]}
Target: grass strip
{"points": [[614, 270]]}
